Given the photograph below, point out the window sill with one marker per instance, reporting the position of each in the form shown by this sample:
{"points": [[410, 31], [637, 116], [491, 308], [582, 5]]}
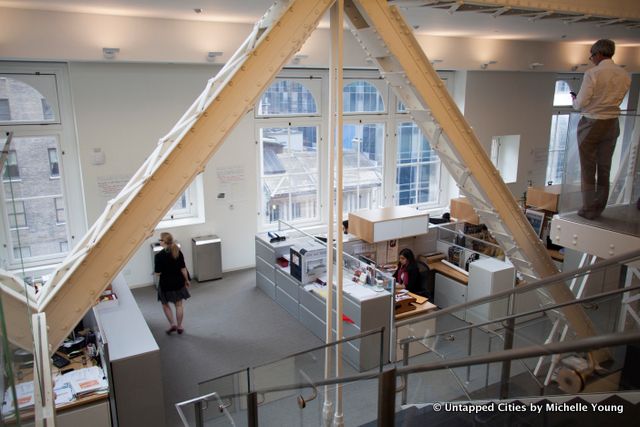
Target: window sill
{"points": [[179, 222]]}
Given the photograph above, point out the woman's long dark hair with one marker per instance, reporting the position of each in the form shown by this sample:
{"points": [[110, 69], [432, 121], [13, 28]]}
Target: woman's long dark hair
{"points": [[408, 254]]}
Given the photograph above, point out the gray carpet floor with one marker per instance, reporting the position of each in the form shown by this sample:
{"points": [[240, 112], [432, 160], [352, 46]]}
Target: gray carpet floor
{"points": [[229, 325]]}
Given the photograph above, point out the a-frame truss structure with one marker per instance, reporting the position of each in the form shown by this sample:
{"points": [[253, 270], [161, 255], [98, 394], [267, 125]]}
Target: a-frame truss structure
{"points": [[131, 217]]}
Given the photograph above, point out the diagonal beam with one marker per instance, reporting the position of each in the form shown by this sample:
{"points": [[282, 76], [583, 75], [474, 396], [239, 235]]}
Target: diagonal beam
{"points": [[76, 287], [394, 42]]}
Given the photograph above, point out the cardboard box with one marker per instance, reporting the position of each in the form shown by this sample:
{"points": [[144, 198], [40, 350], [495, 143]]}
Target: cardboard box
{"points": [[545, 198], [462, 210]]}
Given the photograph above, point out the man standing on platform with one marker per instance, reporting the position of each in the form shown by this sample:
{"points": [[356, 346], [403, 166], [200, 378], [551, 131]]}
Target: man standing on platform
{"points": [[603, 89]]}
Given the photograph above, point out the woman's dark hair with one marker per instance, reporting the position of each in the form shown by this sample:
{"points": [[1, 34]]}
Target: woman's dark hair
{"points": [[408, 254]]}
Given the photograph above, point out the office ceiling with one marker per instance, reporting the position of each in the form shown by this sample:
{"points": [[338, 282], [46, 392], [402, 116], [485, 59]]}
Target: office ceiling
{"points": [[453, 18]]}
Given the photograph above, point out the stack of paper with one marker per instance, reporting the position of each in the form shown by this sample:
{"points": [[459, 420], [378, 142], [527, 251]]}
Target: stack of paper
{"points": [[24, 394], [83, 381]]}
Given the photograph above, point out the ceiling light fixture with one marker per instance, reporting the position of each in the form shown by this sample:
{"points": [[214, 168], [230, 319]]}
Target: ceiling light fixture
{"points": [[535, 65], [110, 52], [211, 56], [436, 61], [198, 10], [575, 67], [486, 64]]}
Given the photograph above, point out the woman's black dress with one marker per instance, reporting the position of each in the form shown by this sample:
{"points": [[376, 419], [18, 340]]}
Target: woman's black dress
{"points": [[171, 286]]}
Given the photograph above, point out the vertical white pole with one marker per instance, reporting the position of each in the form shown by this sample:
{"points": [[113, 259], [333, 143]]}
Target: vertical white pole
{"points": [[338, 419], [327, 409]]}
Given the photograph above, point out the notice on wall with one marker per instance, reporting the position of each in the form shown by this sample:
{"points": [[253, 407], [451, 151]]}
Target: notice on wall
{"points": [[231, 180], [110, 185]]}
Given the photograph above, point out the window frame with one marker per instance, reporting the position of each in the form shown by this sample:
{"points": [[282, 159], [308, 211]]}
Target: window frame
{"points": [[573, 81], [315, 81], [13, 212], [51, 164], [289, 123], [12, 155], [193, 213], [390, 117], [63, 129]]}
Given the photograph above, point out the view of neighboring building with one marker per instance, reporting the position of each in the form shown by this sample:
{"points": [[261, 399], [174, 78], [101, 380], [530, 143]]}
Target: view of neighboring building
{"points": [[32, 190]]}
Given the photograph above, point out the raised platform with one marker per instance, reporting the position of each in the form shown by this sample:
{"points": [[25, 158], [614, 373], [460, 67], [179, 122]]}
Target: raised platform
{"points": [[615, 232]]}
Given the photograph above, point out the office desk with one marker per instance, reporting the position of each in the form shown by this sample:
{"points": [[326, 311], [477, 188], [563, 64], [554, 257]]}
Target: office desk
{"points": [[92, 409], [417, 329], [446, 270], [422, 306]]}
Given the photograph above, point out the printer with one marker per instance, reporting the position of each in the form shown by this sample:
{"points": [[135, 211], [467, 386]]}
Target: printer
{"points": [[309, 262]]}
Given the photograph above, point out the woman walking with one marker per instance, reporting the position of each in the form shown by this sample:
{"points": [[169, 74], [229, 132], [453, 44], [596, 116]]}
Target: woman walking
{"points": [[173, 281]]}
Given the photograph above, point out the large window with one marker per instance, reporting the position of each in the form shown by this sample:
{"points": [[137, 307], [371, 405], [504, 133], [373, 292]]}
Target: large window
{"points": [[289, 153], [35, 221], [417, 168], [386, 159], [35, 206], [363, 151], [289, 172], [287, 98], [362, 97], [559, 133]]}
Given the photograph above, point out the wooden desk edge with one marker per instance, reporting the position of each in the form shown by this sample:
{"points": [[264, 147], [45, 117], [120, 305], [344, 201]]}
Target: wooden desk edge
{"points": [[449, 272], [425, 307]]}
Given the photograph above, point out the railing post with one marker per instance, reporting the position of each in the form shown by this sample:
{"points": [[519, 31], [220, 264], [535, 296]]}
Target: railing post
{"points": [[252, 409], [199, 418], [405, 362], [387, 398], [509, 331]]}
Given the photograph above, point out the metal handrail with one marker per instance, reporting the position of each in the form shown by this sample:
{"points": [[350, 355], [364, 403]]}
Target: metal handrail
{"points": [[526, 313], [584, 344], [547, 281]]}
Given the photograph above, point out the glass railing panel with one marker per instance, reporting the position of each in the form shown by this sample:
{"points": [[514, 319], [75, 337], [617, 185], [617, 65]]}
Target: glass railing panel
{"points": [[193, 413], [309, 367], [481, 327], [221, 409], [624, 176], [304, 406]]}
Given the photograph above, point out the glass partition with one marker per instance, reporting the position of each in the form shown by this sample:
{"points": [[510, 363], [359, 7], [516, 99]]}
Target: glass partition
{"points": [[624, 176], [515, 319], [292, 406], [17, 358]]}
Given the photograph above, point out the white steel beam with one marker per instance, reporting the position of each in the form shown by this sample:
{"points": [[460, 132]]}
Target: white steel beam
{"points": [[387, 33], [176, 161], [628, 9]]}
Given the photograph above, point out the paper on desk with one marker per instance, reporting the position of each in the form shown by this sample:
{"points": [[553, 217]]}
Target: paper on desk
{"points": [[359, 291], [64, 393], [85, 380], [24, 394]]}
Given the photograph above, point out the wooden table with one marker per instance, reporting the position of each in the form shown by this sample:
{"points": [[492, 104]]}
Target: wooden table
{"points": [[422, 305], [454, 274]]}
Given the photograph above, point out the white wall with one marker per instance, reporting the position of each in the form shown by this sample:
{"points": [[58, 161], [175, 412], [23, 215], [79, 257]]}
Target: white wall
{"points": [[81, 37], [513, 103], [124, 109]]}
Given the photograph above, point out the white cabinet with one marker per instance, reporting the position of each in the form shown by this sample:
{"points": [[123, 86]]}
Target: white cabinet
{"points": [[450, 292], [396, 222], [487, 277]]}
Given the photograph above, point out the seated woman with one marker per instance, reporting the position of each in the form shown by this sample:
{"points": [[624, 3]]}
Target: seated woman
{"points": [[407, 275]]}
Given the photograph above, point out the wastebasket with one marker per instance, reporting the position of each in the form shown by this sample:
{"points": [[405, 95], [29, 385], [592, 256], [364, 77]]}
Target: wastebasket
{"points": [[207, 257]]}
